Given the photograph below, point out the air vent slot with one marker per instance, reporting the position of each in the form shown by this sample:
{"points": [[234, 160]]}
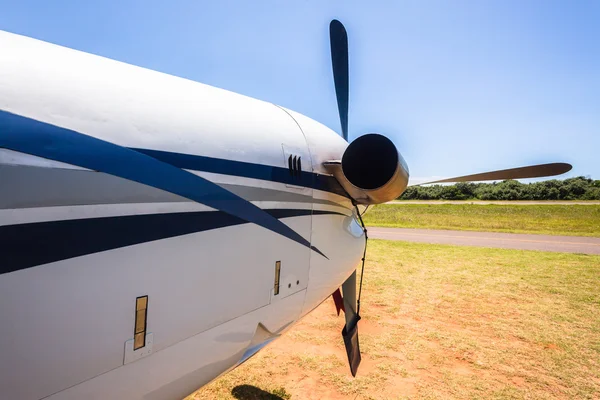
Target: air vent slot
{"points": [[295, 165]]}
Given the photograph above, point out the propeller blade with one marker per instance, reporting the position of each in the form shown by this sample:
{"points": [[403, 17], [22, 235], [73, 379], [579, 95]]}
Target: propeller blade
{"points": [[532, 171], [338, 39], [350, 331]]}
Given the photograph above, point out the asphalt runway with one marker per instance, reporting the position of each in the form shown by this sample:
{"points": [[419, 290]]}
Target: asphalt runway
{"points": [[563, 244]]}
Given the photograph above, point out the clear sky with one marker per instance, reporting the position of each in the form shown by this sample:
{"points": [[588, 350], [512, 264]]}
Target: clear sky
{"points": [[459, 86]]}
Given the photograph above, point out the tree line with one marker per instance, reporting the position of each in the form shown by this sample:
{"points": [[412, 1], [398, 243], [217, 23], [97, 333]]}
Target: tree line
{"points": [[579, 188]]}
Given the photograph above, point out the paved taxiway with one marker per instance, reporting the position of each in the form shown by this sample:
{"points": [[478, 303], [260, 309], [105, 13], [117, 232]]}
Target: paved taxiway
{"points": [[565, 244]]}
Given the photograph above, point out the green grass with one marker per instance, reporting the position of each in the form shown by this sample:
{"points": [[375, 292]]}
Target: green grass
{"points": [[572, 220], [443, 322]]}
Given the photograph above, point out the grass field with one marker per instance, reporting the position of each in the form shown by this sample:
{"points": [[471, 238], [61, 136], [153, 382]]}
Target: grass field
{"points": [[444, 322], [572, 220]]}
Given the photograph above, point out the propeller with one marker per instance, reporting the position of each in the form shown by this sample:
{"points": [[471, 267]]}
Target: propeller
{"points": [[349, 303], [338, 39], [531, 171], [347, 300]]}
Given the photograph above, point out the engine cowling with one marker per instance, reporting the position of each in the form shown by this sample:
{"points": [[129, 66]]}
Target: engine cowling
{"points": [[371, 170]]}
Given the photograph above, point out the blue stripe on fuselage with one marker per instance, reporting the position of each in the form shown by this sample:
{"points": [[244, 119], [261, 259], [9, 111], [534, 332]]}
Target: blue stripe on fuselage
{"points": [[41, 139], [247, 170], [31, 244]]}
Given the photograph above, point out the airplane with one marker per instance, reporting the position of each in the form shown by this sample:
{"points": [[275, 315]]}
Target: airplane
{"points": [[156, 232]]}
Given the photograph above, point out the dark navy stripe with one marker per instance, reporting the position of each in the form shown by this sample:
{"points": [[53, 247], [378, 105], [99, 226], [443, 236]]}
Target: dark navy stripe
{"points": [[247, 170], [27, 245], [29, 136]]}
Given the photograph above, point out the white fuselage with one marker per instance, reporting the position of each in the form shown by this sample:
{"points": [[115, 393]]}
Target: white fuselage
{"points": [[118, 182]]}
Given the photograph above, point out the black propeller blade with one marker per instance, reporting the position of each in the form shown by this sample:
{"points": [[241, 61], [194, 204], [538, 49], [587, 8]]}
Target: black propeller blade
{"points": [[339, 60], [338, 39], [532, 171], [350, 331]]}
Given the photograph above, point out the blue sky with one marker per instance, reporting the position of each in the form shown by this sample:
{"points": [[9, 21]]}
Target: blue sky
{"points": [[459, 86]]}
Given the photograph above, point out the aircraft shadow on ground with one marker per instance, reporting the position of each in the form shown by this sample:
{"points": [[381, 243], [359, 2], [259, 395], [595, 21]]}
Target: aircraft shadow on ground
{"points": [[249, 392]]}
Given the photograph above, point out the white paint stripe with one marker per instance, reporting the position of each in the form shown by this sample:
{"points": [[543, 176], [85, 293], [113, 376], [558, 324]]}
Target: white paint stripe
{"points": [[43, 214], [11, 157]]}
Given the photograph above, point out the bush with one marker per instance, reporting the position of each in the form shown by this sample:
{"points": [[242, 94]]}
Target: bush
{"points": [[579, 188]]}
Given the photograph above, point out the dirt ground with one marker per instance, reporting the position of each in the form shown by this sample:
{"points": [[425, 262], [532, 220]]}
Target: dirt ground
{"points": [[443, 322]]}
